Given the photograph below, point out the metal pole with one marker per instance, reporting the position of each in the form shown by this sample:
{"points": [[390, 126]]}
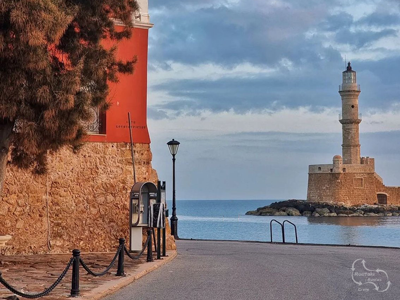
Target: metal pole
{"points": [[164, 238], [120, 271], [158, 243], [75, 273], [174, 219], [132, 152], [154, 239], [158, 229], [149, 247]]}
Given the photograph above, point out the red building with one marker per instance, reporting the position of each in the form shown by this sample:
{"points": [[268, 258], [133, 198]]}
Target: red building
{"points": [[130, 93]]}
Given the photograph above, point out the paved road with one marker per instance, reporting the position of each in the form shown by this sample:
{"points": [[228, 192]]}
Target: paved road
{"points": [[238, 270]]}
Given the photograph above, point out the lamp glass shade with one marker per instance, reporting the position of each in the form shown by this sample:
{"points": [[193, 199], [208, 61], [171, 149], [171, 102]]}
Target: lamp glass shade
{"points": [[173, 146]]}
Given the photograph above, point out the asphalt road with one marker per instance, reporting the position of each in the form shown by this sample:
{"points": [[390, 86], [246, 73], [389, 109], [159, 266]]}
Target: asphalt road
{"points": [[240, 270]]}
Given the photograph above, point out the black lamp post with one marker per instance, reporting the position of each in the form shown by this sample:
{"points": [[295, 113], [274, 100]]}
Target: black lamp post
{"points": [[173, 148]]}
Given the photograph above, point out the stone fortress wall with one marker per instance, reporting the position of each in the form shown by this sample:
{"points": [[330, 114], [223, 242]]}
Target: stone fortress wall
{"points": [[83, 201], [351, 184]]}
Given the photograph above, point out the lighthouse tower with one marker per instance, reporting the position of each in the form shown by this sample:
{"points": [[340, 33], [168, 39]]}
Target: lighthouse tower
{"points": [[350, 179], [350, 118]]}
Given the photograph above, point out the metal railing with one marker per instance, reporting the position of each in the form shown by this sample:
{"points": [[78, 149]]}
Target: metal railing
{"points": [[76, 261], [295, 229], [283, 229]]}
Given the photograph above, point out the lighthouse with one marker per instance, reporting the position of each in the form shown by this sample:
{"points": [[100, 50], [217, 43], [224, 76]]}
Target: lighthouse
{"points": [[350, 179], [350, 119]]}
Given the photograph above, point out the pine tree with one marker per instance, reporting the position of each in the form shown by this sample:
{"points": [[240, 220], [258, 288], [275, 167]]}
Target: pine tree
{"points": [[53, 70]]}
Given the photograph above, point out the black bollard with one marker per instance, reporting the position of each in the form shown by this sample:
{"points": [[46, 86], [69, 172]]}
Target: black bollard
{"points": [[159, 243], [164, 242], [149, 247], [120, 271], [75, 273], [154, 239]]}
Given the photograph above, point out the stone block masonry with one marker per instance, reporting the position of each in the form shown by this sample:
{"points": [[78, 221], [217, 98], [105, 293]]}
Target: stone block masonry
{"points": [[350, 188], [82, 202]]}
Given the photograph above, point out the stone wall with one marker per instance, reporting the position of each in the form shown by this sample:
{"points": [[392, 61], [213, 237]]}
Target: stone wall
{"points": [[323, 187], [349, 188], [392, 192], [343, 168], [82, 202]]}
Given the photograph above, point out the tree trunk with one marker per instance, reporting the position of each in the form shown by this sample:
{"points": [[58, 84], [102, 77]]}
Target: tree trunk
{"points": [[6, 129]]}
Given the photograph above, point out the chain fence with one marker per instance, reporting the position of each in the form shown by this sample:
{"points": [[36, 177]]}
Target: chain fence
{"points": [[38, 295], [76, 260], [106, 270]]}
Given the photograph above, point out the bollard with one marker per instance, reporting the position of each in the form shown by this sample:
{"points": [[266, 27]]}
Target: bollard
{"points": [[75, 273], [154, 239], [159, 243], [120, 271], [164, 242], [149, 247]]}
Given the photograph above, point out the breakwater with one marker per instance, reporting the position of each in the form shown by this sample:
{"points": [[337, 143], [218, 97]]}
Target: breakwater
{"points": [[319, 209]]}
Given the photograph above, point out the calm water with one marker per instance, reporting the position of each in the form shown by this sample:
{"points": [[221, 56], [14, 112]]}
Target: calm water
{"points": [[226, 220]]}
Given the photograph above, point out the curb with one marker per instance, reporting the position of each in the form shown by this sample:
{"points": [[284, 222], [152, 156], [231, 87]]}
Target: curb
{"points": [[292, 244], [112, 286]]}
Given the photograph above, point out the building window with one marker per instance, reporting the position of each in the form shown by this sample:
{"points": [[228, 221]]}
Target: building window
{"points": [[382, 199], [319, 168], [96, 123], [331, 170], [358, 182], [344, 170]]}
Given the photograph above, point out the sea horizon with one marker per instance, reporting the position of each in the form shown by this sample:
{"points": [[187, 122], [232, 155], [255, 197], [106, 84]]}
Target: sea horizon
{"points": [[284, 199], [227, 220]]}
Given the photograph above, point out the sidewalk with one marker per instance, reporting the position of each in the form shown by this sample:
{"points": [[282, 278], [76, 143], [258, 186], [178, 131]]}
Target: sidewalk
{"points": [[34, 273]]}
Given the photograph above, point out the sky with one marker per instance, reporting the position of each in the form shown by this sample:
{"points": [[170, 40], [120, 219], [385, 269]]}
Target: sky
{"points": [[250, 90]]}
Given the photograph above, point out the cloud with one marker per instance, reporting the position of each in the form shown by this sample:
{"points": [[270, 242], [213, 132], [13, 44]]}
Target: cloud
{"points": [[277, 89], [230, 35], [296, 120], [242, 95], [338, 21], [380, 19], [362, 38], [212, 56]]}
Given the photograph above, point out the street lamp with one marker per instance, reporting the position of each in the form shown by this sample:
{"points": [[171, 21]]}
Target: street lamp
{"points": [[173, 148]]}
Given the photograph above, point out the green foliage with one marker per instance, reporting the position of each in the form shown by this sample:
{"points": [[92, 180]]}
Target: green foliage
{"points": [[53, 69]]}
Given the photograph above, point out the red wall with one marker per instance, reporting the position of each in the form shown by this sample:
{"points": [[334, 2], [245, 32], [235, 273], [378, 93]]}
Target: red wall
{"points": [[129, 94]]}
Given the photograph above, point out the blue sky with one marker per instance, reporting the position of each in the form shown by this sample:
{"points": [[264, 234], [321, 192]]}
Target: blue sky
{"points": [[250, 89]]}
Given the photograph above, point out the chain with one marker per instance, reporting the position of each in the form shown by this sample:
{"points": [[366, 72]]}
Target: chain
{"points": [[140, 254], [45, 292], [106, 270]]}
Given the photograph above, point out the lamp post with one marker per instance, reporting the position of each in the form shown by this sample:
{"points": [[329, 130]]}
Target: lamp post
{"points": [[173, 148]]}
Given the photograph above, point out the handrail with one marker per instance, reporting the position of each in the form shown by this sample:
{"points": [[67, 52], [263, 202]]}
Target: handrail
{"points": [[295, 229], [283, 230]]}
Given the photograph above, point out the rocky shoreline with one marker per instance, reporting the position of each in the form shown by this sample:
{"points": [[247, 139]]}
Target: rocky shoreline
{"points": [[319, 209]]}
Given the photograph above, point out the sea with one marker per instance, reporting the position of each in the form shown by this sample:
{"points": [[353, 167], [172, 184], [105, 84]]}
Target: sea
{"points": [[227, 220]]}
